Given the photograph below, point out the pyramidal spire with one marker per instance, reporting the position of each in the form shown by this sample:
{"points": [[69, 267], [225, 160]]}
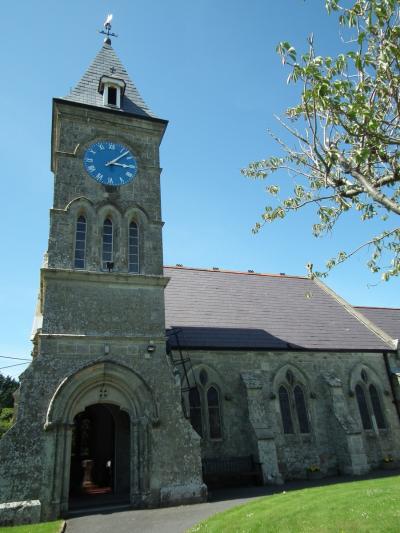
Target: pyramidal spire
{"points": [[107, 65]]}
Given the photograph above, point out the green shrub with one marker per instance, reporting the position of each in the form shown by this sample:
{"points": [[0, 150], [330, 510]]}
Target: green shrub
{"points": [[6, 419]]}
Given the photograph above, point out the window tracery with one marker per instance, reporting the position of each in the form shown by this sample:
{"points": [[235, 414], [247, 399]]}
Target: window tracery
{"points": [[205, 407], [369, 402], [293, 405]]}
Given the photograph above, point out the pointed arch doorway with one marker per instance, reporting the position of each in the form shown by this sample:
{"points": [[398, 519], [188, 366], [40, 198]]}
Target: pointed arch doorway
{"points": [[100, 457]]}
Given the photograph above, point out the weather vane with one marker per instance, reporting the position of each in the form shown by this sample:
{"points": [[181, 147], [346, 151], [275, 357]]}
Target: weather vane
{"points": [[107, 29]]}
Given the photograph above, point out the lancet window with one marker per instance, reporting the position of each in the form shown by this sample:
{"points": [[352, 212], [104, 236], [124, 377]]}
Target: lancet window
{"points": [[293, 406], [80, 243], [107, 250], [205, 408], [133, 248], [369, 403]]}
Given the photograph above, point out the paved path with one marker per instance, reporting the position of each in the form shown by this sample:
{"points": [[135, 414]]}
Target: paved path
{"points": [[165, 520], [179, 519], [168, 520]]}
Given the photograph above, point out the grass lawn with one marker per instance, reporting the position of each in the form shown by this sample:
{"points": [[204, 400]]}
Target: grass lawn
{"points": [[371, 505], [46, 527]]}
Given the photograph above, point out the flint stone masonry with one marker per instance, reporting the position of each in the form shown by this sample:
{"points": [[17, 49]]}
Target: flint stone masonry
{"points": [[93, 329], [252, 422]]}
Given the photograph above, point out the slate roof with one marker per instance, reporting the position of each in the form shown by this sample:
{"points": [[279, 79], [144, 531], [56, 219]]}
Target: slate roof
{"points": [[387, 318], [107, 63], [236, 310]]}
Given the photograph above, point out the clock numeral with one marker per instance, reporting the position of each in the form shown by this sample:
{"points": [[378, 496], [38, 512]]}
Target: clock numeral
{"points": [[88, 160], [91, 168], [129, 174], [121, 180], [129, 157], [122, 150], [92, 152], [99, 176], [110, 181], [101, 146], [111, 146]]}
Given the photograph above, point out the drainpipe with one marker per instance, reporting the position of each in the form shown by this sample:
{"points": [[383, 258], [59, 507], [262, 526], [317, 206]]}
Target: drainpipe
{"points": [[396, 401]]}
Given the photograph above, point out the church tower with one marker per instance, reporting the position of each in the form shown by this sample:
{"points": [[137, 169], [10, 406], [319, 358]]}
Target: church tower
{"points": [[99, 413]]}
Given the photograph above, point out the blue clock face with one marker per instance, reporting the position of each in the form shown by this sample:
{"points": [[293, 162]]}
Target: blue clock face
{"points": [[110, 163]]}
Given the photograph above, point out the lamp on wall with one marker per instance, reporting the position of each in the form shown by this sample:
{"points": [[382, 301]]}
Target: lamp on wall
{"points": [[151, 347]]}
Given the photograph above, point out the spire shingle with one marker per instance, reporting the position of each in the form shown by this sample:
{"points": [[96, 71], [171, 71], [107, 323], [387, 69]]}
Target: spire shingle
{"points": [[106, 63]]}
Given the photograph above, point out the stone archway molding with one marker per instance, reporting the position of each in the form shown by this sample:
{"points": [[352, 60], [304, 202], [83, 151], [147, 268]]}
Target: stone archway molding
{"points": [[103, 381], [107, 382]]}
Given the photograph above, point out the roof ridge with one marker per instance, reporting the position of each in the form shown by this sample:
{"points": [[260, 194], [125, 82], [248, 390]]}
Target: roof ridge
{"points": [[226, 271], [376, 330], [376, 307]]}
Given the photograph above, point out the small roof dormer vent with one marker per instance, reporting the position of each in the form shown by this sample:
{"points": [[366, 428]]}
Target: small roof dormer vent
{"points": [[113, 90]]}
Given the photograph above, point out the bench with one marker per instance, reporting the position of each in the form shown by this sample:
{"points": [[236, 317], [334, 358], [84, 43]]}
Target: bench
{"points": [[228, 471]]}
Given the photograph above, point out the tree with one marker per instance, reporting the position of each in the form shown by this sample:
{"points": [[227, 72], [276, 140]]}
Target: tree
{"points": [[8, 386], [346, 129], [6, 419]]}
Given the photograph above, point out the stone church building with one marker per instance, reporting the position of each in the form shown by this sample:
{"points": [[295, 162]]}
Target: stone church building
{"points": [[147, 380]]}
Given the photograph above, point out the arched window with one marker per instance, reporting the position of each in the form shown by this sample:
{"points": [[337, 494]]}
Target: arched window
{"points": [[377, 407], [205, 406], [80, 242], [107, 252], [363, 408], [301, 409], [286, 414], [293, 405], [214, 419], [133, 248], [195, 410]]}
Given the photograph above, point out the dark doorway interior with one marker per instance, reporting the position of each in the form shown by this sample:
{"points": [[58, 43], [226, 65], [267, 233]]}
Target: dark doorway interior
{"points": [[100, 457]]}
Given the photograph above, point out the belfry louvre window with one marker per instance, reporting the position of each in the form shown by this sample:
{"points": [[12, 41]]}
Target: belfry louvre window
{"points": [[107, 252], [112, 95], [80, 242], [133, 248]]}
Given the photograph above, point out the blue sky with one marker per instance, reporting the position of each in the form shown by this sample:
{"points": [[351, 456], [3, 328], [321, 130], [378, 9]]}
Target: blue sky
{"points": [[211, 69]]}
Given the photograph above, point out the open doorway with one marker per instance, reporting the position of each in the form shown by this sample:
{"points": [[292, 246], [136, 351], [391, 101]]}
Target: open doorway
{"points": [[100, 457]]}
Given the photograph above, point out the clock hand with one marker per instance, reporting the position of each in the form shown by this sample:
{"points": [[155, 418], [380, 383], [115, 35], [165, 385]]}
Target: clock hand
{"points": [[116, 159], [122, 165]]}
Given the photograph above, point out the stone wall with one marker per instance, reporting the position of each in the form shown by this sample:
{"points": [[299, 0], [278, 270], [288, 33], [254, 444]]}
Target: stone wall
{"points": [[74, 129], [100, 336], [32, 466], [249, 383]]}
